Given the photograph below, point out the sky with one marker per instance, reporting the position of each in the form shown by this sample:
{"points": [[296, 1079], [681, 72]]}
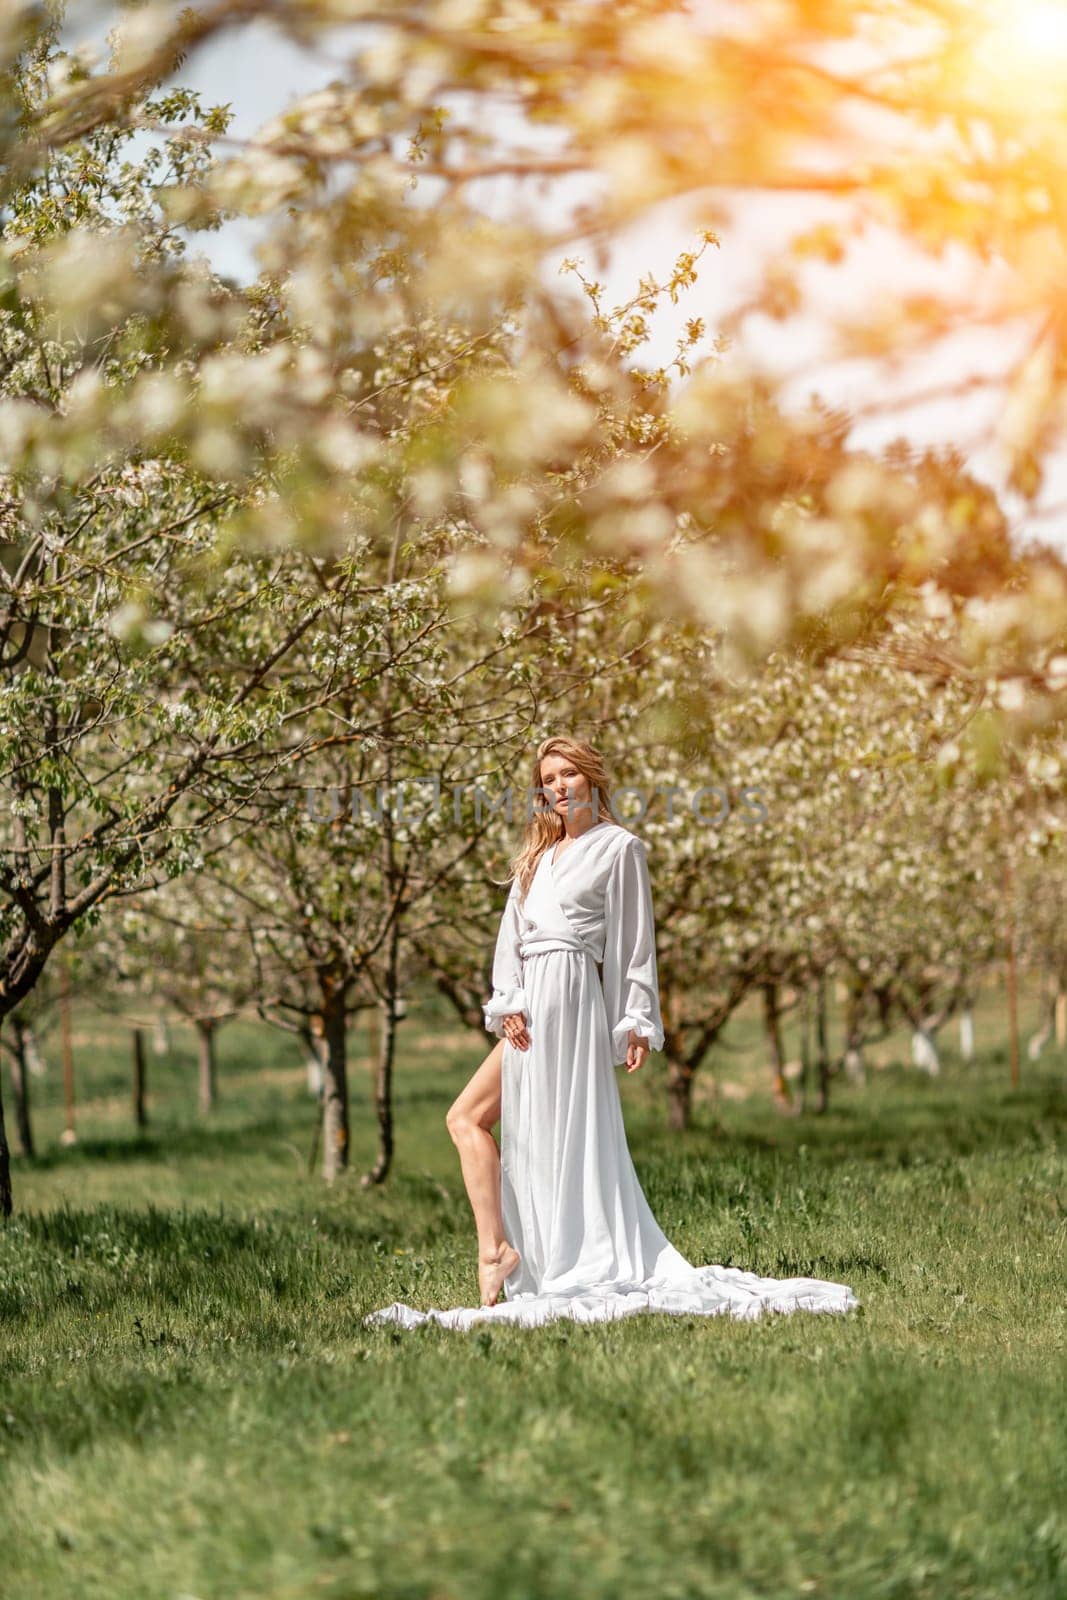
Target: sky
{"points": [[258, 72]]}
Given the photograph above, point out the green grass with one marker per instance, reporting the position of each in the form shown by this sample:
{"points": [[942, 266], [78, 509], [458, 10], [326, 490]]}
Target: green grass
{"points": [[189, 1405]]}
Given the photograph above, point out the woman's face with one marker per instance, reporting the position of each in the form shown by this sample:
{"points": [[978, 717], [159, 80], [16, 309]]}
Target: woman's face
{"points": [[567, 791]]}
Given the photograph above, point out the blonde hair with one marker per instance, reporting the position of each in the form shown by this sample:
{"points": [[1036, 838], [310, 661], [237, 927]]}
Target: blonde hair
{"points": [[545, 829]]}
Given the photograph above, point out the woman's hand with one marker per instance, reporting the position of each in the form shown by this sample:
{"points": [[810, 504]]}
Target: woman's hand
{"points": [[636, 1052], [515, 1030]]}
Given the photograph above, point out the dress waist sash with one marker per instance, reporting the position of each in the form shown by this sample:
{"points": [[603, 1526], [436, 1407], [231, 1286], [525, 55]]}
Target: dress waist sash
{"points": [[540, 944]]}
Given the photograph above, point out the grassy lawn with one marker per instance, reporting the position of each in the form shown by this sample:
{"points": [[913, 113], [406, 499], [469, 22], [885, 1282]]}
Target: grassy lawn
{"points": [[189, 1406]]}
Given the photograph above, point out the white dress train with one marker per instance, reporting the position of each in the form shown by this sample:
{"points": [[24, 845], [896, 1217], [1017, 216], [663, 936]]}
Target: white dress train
{"points": [[591, 1249]]}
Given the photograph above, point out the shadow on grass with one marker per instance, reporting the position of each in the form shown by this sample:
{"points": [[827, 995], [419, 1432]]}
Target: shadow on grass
{"points": [[143, 1405], [198, 1232], [249, 1277], [173, 1140], [922, 1123], [900, 1120]]}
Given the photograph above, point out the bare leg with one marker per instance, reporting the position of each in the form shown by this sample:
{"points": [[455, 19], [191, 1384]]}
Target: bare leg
{"points": [[470, 1121]]}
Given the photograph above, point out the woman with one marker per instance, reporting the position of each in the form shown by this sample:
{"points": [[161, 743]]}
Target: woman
{"points": [[563, 1224]]}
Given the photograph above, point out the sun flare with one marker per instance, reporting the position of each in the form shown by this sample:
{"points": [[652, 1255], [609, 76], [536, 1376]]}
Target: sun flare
{"points": [[1019, 54]]}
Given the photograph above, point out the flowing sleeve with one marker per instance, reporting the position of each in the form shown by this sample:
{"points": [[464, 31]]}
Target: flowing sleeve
{"points": [[508, 994], [630, 978]]}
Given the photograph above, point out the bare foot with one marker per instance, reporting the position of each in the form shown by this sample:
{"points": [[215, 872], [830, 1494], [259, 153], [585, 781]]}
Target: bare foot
{"points": [[492, 1270]]}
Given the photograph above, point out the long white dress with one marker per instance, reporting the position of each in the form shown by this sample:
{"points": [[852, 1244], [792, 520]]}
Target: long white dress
{"points": [[573, 1207]]}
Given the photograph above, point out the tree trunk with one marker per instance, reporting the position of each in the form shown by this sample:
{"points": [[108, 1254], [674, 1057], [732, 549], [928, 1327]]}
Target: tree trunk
{"points": [[382, 1056], [772, 1018], [805, 1051], [69, 1134], [1061, 1018], [207, 1067], [924, 1050], [1013, 985], [35, 1061], [5, 1161], [855, 1066], [140, 1115], [160, 1037], [1037, 1041], [335, 1078], [822, 1028], [311, 1037], [383, 1084], [20, 1087], [679, 1094], [967, 1034]]}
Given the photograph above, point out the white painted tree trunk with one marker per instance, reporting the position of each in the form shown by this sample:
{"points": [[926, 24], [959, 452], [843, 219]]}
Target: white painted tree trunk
{"points": [[1038, 1042], [36, 1065], [1055, 1023], [967, 1034], [313, 1063], [855, 1066], [924, 1052]]}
